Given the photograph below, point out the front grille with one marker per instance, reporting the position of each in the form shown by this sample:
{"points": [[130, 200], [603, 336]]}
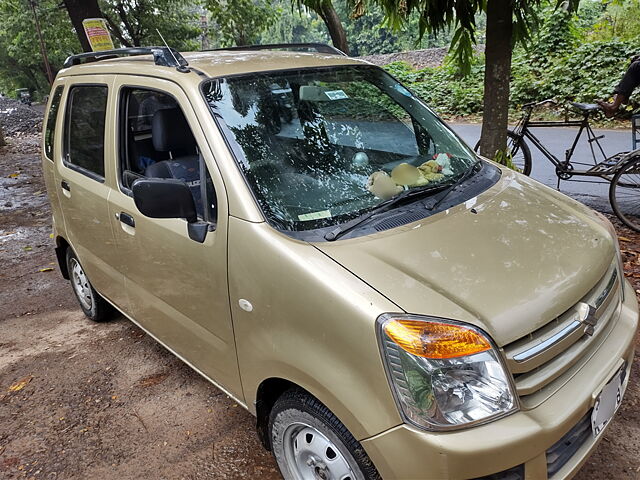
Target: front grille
{"points": [[544, 360], [565, 448]]}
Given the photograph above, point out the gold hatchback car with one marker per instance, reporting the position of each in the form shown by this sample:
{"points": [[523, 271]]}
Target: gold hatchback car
{"points": [[308, 235]]}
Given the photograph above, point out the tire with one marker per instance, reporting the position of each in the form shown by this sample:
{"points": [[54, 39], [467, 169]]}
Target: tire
{"points": [[92, 304], [309, 442], [520, 152], [624, 194]]}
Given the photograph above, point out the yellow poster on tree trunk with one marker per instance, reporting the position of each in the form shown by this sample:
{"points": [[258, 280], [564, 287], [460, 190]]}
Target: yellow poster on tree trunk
{"points": [[97, 34]]}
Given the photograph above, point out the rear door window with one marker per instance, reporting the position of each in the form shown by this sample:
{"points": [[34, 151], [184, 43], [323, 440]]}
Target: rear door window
{"points": [[49, 133], [84, 129]]}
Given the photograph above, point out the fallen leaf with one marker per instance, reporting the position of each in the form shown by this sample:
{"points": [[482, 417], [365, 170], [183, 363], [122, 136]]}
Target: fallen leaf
{"points": [[14, 175], [624, 239], [154, 379], [51, 235], [27, 249], [114, 397], [46, 269], [20, 384]]}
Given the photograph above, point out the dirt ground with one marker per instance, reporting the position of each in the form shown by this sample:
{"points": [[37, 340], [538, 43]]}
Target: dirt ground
{"points": [[80, 400]]}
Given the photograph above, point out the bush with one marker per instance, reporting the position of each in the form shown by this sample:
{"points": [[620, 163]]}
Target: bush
{"points": [[568, 60], [442, 88], [581, 72]]}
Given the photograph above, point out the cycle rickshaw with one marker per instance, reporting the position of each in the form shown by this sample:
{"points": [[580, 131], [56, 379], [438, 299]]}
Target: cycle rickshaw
{"points": [[621, 170]]}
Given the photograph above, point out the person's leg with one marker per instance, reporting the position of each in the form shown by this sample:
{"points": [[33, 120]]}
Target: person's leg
{"points": [[623, 91]]}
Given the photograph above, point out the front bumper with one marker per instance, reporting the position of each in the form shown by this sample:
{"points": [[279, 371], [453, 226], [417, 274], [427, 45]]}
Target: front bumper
{"points": [[523, 438]]}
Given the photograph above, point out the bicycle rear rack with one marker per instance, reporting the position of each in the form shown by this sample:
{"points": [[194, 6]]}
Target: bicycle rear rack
{"points": [[612, 164]]}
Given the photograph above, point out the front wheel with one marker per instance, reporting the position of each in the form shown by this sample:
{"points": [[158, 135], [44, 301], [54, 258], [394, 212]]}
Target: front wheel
{"points": [[519, 152], [309, 442], [624, 194]]}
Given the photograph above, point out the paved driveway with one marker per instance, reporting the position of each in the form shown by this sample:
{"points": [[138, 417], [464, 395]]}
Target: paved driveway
{"points": [[557, 140]]}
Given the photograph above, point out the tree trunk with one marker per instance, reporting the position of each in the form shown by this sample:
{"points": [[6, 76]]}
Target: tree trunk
{"points": [[2, 140], [78, 10], [498, 49], [334, 25]]}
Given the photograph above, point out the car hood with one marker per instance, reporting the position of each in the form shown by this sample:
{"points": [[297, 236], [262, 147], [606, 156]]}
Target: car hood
{"points": [[508, 261]]}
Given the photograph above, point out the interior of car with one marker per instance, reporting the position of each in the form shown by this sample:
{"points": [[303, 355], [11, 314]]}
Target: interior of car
{"points": [[159, 143]]}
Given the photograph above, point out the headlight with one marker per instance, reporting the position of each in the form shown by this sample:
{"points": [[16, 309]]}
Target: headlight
{"points": [[444, 375]]}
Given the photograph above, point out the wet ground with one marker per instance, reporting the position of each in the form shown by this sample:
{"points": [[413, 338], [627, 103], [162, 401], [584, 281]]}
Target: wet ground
{"points": [[80, 400], [101, 401]]}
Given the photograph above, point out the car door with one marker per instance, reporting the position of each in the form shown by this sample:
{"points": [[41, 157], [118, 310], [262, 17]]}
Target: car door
{"points": [[177, 287], [83, 182]]}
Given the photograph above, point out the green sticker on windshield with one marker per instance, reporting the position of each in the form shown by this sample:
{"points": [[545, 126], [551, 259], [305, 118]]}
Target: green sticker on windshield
{"points": [[336, 94], [305, 217]]}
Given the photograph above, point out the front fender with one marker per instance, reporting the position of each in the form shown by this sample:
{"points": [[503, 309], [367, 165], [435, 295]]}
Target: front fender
{"points": [[312, 323]]}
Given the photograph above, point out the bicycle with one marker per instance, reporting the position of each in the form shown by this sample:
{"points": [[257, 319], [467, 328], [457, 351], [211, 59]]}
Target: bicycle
{"points": [[621, 170]]}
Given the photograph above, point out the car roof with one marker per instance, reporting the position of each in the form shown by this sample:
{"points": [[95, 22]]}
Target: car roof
{"points": [[218, 63]]}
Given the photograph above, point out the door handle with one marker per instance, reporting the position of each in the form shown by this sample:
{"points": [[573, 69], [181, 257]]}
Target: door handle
{"points": [[127, 219], [65, 185]]}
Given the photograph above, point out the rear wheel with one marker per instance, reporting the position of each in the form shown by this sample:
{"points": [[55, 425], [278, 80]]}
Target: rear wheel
{"points": [[624, 194], [92, 304], [519, 150], [310, 443]]}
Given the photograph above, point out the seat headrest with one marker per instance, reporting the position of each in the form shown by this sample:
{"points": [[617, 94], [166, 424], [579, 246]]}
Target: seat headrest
{"points": [[170, 131]]}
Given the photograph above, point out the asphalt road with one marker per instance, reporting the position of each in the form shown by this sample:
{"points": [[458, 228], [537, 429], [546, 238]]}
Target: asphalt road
{"points": [[557, 140]]}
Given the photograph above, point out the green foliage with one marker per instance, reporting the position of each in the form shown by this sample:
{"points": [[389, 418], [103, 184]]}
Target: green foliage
{"points": [[560, 63], [620, 20], [505, 158], [294, 26], [240, 22], [587, 72], [134, 22], [21, 64], [436, 17], [443, 88], [369, 35]]}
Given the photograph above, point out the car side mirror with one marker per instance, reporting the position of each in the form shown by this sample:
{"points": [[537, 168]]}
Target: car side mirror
{"points": [[168, 198]]}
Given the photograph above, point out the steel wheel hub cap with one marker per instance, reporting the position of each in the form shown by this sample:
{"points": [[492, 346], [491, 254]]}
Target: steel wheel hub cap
{"points": [[311, 455], [81, 285]]}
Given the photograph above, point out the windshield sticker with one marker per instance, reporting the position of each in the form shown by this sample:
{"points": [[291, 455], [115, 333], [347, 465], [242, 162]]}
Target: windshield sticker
{"points": [[305, 217], [336, 95]]}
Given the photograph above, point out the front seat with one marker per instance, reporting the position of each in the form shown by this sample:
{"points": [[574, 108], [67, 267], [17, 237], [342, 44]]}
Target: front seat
{"points": [[171, 133]]}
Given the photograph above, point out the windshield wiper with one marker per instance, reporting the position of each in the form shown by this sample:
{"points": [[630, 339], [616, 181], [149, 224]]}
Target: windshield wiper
{"points": [[452, 186], [402, 197]]}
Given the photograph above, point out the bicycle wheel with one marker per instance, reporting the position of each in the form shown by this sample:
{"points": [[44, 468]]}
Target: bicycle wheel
{"points": [[520, 152], [624, 194]]}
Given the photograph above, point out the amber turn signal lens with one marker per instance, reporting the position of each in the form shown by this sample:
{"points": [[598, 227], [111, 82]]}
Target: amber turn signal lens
{"points": [[435, 340]]}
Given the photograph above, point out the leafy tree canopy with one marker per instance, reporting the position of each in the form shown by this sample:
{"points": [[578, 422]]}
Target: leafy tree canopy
{"points": [[21, 64], [134, 22], [239, 22]]}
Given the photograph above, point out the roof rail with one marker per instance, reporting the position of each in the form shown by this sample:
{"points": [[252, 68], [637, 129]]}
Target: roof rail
{"points": [[317, 47], [163, 56]]}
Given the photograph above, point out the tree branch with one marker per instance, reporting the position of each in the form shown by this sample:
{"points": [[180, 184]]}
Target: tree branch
{"points": [[117, 32]]}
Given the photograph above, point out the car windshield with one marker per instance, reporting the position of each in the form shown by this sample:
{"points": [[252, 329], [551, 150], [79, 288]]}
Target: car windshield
{"points": [[321, 146]]}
